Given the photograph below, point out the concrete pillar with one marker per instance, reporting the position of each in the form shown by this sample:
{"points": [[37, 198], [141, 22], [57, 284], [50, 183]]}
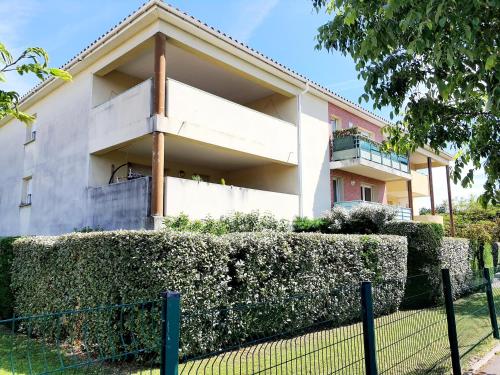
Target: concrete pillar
{"points": [[410, 197], [431, 187], [450, 205], [159, 95]]}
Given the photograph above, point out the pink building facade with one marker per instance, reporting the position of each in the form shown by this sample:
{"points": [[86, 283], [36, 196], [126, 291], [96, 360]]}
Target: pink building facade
{"points": [[347, 186]]}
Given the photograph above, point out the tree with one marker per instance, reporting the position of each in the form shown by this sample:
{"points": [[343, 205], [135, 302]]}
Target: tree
{"points": [[436, 63], [33, 60]]}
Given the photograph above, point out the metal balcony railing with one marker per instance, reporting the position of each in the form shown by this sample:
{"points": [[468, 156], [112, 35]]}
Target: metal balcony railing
{"points": [[402, 213], [360, 147]]}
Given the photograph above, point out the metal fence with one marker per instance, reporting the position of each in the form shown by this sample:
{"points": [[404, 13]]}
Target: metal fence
{"points": [[427, 334]]}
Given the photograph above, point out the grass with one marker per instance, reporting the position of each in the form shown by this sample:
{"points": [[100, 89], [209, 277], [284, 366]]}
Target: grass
{"points": [[408, 342]]}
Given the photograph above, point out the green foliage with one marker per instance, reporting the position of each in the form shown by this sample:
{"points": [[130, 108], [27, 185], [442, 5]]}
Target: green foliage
{"points": [[428, 252], [436, 63], [6, 297], [33, 60], [362, 219], [305, 224], [236, 222], [212, 273]]}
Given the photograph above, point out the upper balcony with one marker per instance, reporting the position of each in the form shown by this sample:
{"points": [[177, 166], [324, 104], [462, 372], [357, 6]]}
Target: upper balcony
{"points": [[196, 115], [358, 154]]}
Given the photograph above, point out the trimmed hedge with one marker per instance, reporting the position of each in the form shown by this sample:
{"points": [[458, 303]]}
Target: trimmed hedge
{"points": [[428, 252], [212, 273], [6, 297]]}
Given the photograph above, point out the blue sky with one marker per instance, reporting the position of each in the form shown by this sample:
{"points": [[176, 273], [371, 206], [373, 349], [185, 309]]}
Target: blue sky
{"points": [[281, 29]]}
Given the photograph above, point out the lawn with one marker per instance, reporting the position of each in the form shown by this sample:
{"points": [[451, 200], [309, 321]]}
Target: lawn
{"points": [[408, 342]]}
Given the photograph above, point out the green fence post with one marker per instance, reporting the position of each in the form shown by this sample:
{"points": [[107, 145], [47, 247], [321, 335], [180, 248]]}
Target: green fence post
{"points": [[368, 328], [452, 325], [170, 332], [491, 303]]}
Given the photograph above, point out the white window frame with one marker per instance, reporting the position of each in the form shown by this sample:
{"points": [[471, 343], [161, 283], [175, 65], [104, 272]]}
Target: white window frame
{"points": [[366, 133], [335, 123], [339, 185], [27, 191], [30, 132], [372, 192]]}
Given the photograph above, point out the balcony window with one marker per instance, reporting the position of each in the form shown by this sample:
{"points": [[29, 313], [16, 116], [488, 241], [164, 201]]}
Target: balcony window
{"points": [[335, 124]]}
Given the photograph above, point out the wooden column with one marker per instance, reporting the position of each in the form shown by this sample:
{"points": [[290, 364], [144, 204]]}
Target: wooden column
{"points": [[431, 187], [410, 197], [450, 205], [159, 93]]}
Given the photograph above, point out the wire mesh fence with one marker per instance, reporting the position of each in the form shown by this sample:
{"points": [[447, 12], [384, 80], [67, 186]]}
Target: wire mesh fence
{"points": [[122, 339], [274, 336]]}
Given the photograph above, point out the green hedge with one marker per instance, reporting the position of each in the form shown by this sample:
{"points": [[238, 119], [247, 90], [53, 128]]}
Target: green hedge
{"points": [[6, 297], [428, 252], [212, 273]]}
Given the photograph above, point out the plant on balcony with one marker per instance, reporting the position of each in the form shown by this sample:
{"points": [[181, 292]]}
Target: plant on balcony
{"points": [[235, 222], [345, 132]]}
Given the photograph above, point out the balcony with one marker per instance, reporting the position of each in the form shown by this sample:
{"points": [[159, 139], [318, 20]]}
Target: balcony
{"points": [[121, 119], [402, 213], [358, 154], [199, 199], [207, 118]]}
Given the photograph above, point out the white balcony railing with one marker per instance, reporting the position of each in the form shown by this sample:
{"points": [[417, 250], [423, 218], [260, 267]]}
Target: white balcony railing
{"points": [[199, 199], [402, 213], [207, 118]]}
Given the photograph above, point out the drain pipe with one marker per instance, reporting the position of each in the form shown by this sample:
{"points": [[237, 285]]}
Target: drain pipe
{"points": [[299, 147]]}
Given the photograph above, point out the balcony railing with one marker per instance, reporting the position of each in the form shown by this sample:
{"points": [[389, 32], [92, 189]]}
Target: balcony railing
{"points": [[402, 213], [360, 147]]}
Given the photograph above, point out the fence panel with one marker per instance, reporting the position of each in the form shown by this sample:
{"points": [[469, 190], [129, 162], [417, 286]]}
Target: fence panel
{"points": [[414, 339], [122, 339], [275, 337]]}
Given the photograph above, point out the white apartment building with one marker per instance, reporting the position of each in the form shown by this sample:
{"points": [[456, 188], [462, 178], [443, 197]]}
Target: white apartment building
{"points": [[167, 115]]}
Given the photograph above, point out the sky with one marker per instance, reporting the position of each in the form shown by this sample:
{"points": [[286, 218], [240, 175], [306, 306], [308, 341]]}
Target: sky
{"points": [[281, 29]]}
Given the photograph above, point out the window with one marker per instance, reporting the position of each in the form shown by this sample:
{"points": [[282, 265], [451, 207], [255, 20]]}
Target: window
{"points": [[337, 187], [365, 133], [351, 125], [367, 193], [335, 124], [26, 197], [30, 134]]}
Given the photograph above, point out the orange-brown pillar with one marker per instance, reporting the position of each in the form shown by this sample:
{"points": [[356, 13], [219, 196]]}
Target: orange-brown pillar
{"points": [[159, 93], [431, 187], [410, 197], [450, 205]]}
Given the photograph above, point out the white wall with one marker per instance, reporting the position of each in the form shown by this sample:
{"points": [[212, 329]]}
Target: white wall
{"points": [[278, 106], [107, 87], [204, 117], [199, 199], [121, 119], [12, 137], [315, 156]]}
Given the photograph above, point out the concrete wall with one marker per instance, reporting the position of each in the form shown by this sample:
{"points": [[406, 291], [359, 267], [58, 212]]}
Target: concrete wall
{"points": [[352, 186], [270, 177], [204, 117], [121, 119], [199, 199], [278, 106], [124, 205], [345, 117], [107, 87], [315, 156]]}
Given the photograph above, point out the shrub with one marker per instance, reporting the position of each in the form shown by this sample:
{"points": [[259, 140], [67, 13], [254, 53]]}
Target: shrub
{"points": [[428, 253], [337, 219], [368, 218], [236, 222], [212, 273], [6, 297], [307, 225]]}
